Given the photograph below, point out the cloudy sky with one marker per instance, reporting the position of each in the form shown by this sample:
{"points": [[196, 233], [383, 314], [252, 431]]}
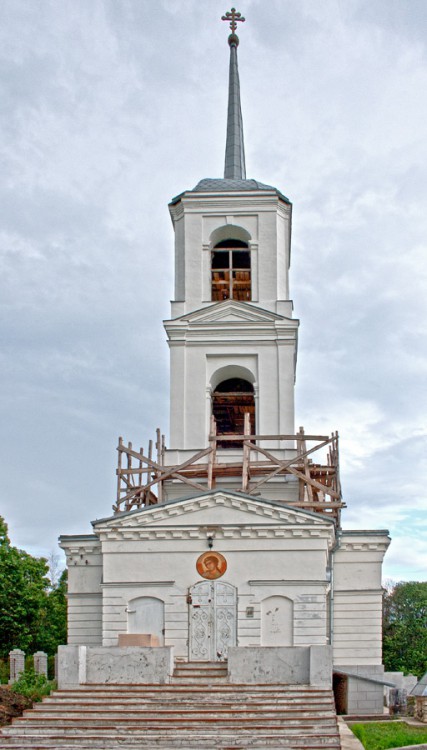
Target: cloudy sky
{"points": [[109, 108]]}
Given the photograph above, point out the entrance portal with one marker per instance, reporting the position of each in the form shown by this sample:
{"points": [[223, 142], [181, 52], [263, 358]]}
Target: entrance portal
{"points": [[213, 620]]}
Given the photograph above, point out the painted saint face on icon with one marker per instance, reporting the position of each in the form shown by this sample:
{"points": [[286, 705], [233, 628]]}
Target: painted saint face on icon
{"points": [[211, 565]]}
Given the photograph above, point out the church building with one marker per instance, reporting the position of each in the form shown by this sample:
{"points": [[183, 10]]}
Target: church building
{"points": [[225, 543]]}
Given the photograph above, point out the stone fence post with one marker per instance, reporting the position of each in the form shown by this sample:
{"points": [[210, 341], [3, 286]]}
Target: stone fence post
{"points": [[397, 702], [16, 664], [40, 663]]}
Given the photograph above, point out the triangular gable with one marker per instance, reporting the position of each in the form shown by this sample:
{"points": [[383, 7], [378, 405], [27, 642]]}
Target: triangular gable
{"points": [[229, 311], [216, 508]]}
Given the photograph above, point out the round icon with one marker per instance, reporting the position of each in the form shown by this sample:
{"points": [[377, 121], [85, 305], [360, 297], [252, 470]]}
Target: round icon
{"points": [[211, 565]]}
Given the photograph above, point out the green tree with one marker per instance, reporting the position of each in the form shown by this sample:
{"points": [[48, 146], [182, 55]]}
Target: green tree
{"points": [[32, 615], [52, 630], [405, 628]]}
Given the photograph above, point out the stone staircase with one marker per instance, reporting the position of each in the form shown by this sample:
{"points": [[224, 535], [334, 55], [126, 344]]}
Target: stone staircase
{"points": [[199, 709]]}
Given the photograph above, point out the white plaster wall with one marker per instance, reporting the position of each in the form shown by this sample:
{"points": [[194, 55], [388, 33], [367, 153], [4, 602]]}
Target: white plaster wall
{"points": [[84, 604], [261, 214], [259, 568], [265, 220], [357, 608], [269, 356]]}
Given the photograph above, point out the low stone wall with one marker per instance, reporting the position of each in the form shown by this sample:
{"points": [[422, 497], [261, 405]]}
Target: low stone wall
{"points": [[79, 665], [421, 708], [310, 665]]}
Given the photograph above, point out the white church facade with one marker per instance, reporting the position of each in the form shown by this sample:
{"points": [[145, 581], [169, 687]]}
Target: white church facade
{"points": [[227, 545]]}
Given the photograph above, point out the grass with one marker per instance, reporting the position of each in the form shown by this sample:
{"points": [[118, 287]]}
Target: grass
{"points": [[387, 734]]}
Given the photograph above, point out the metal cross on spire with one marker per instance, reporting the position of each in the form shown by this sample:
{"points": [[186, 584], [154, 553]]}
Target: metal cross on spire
{"points": [[233, 17]]}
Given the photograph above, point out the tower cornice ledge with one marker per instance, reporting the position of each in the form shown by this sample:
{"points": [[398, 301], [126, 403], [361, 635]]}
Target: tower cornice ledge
{"points": [[255, 201]]}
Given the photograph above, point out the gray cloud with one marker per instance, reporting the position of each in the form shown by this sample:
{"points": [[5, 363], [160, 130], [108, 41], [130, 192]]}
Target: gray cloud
{"points": [[111, 108]]}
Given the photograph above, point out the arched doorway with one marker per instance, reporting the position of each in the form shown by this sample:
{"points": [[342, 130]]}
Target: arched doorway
{"points": [[212, 620], [231, 400]]}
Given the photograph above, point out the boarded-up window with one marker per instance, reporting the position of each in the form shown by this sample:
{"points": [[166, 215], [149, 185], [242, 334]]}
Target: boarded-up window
{"points": [[231, 271], [232, 399]]}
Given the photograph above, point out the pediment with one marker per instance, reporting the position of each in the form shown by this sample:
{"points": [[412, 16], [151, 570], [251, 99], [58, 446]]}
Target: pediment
{"points": [[231, 311], [218, 508]]}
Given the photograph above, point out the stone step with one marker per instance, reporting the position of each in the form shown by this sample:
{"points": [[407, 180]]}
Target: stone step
{"points": [[182, 695], [190, 687], [131, 732], [177, 707], [120, 726], [206, 665], [197, 741], [105, 717], [120, 687], [225, 713]]}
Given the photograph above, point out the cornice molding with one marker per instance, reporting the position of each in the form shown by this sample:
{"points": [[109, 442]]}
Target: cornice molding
{"points": [[358, 592], [284, 582], [77, 552], [256, 510], [86, 595], [364, 546], [139, 584], [233, 533]]}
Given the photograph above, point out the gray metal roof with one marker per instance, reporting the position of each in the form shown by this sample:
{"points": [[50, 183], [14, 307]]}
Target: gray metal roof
{"points": [[213, 185], [420, 689], [210, 185]]}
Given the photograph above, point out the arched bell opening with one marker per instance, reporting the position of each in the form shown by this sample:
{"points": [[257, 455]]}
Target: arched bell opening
{"points": [[231, 400], [231, 271]]}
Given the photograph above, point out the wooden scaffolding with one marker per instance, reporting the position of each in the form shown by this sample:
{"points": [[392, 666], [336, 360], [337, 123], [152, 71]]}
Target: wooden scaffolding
{"points": [[141, 477]]}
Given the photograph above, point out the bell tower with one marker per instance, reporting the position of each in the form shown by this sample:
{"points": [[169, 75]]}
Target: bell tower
{"points": [[232, 337]]}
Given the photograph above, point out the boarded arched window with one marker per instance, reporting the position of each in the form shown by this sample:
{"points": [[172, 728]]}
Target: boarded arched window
{"points": [[146, 615], [231, 399], [231, 271]]}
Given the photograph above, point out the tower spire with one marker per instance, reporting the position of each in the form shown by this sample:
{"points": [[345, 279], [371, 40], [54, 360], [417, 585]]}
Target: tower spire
{"points": [[235, 167]]}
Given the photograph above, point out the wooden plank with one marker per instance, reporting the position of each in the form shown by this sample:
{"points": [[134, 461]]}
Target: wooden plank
{"points": [[246, 453], [269, 437], [174, 471], [318, 485], [212, 455], [308, 485], [281, 465], [119, 466], [158, 479]]}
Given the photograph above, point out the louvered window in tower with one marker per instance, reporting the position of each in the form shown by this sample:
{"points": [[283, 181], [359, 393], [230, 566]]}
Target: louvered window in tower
{"points": [[231, 271]]}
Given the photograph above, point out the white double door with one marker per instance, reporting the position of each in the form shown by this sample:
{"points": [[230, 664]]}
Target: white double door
{"points": [[213, 620]]}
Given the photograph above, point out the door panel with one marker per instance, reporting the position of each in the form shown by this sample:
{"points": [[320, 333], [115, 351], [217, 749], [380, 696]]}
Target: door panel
{"points": [[213, 620]]}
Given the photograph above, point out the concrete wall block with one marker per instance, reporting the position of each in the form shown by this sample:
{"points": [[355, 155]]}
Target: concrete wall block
{"points": [[269, 664], [81, 665], [321, 666], [281, 664], [68, 666], [129, 665]]}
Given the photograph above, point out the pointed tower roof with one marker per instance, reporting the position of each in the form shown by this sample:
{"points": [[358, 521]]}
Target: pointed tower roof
{"points": [[234, 179], [235, 167]]}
